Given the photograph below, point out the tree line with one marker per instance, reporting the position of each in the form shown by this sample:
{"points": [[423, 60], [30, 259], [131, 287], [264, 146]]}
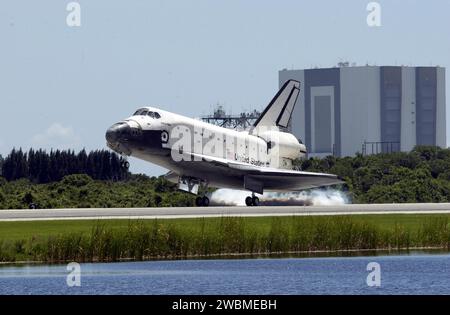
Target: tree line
{"points": [[421, 175], [42, 167]]}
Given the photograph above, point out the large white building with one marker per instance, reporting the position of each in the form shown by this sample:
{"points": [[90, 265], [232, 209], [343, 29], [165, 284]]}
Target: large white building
{"points": [[368, 109]]}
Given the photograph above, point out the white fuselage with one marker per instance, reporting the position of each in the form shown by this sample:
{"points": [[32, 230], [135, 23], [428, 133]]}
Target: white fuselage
{"points": [[168, 139]]}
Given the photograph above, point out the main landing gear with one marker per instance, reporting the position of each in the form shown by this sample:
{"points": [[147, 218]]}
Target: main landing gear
{"points": [[202, 201], [252, 201]]}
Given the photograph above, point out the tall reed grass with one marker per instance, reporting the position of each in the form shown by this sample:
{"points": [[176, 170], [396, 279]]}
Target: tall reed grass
{"points": [[156, 239]]}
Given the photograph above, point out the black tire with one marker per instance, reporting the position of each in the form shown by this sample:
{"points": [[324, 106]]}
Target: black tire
{"points": [[255, 201], [126, 165], [199, 201], [205, 201], [32, 206], [249, 201]]}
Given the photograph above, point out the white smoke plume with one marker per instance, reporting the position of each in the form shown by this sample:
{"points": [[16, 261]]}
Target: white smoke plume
{"points": [[316, 197]]}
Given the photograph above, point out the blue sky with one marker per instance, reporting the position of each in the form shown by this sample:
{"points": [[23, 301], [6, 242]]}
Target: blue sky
{"points": [[62, 86]]}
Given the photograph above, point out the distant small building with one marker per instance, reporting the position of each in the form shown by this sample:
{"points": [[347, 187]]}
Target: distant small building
{"points": [[368, 109]]}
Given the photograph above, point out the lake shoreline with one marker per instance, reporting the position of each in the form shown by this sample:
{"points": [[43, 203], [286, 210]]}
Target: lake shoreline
{"points": [[273, 255]]}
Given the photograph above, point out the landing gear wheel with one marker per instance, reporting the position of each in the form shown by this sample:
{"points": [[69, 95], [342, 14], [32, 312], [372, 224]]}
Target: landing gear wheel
{"points": [[199, 201], [252, 201], [202, 201]]}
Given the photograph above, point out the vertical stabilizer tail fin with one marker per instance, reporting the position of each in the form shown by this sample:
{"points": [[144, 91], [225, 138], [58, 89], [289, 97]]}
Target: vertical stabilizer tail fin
{"points": [[279, 111]]}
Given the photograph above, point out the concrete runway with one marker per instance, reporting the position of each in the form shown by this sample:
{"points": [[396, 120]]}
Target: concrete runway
{"points": [[198, 212]]}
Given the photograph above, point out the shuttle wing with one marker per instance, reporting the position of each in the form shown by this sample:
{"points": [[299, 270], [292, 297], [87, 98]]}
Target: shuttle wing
{"points": [[268, 178]]}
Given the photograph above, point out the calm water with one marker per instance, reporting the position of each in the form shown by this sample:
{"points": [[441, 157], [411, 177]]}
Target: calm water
{"points": [[409, 274]]}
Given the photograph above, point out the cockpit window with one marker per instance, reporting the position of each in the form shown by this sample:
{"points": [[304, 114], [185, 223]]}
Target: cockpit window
{"points": [[146, 112], [154, 114]]}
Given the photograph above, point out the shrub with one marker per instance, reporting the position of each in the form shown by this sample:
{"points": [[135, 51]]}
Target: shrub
{"points": [[77, 180]]}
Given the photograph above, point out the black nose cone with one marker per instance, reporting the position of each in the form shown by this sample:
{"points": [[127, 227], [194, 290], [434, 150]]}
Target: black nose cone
{"points": [[117, 132]]}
